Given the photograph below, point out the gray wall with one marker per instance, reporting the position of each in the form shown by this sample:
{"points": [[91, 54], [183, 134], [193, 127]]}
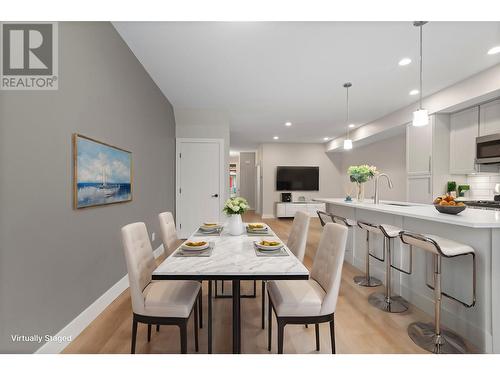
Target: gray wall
{"points": [[55, 261], [248, 177], [388, 155]]}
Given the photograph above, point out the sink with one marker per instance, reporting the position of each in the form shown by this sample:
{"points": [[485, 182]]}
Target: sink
{"points": [[399, 204]]}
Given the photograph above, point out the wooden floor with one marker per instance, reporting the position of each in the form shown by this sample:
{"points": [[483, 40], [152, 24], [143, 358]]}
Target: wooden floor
{"points": [[360, 328]]}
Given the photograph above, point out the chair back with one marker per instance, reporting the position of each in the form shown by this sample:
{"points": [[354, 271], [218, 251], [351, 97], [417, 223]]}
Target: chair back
{"points": [[168, 232], [140, 262], [324, 217], [327, 265], [297, 240]]}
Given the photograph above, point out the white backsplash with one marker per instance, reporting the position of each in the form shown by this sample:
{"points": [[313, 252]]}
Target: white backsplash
{"points": [[482, 186]]}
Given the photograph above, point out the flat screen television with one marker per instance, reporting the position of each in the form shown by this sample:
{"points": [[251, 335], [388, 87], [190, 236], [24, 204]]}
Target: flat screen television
{"points": [[297, 178]]}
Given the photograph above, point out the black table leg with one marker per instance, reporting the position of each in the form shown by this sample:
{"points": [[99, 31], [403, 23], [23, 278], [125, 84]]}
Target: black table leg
{"points": [[209, 323], [236, 318]]}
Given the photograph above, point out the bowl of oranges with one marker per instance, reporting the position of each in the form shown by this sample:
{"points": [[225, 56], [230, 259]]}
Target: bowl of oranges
{"points": [[446, 204]]}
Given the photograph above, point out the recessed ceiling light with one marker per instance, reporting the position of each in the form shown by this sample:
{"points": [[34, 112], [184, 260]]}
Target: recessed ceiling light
{"points": [[288, 123], [352, 126], [404, 61], [494, 50], [414, 92], [326, 138], [276, 137]]}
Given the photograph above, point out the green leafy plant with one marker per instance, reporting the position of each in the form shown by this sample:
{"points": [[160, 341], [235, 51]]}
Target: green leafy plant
{"points": [[461, 189], [235, 206], [361, 173], [452, 186]]}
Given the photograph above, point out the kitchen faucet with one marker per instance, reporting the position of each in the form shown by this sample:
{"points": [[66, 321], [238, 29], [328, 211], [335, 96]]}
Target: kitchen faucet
{"points": [[376, 196]]}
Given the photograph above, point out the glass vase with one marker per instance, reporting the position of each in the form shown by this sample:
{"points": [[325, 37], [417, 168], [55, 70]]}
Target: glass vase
{"points": [[360, 193]]}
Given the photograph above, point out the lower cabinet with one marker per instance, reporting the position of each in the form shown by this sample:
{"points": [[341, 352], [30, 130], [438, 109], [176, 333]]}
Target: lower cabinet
{"points": [[284, 209]]}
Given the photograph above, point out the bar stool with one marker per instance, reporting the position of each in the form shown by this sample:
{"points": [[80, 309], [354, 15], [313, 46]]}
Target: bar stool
{"points": [[367, 280], [386, 301], [430, 336], [326, 217]]}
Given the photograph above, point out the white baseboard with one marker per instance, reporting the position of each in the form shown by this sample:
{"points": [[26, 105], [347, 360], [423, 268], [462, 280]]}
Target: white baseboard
{"points": [[268, 216], [82, 321]]}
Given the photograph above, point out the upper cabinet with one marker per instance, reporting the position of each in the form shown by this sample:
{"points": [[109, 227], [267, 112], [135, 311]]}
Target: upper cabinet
{"points": [[419, 149], [463, 132], [489, 122]]}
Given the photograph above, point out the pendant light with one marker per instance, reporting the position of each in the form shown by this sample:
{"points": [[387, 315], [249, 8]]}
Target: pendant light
{"points": [[348, 140], [420, 116]]}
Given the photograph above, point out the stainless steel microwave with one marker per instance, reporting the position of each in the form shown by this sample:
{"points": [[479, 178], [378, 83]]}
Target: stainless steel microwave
{"points": [[488, 149]]}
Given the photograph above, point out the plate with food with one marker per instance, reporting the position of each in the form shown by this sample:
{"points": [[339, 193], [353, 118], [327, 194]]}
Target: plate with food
{"points": [[195, 245], [210, 227], [268, 245], [447, 204], [257, 228]]}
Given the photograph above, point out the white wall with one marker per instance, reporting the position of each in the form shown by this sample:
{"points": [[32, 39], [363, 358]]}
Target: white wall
{"points": [[299, 154], [201, 123], [388, 155]]}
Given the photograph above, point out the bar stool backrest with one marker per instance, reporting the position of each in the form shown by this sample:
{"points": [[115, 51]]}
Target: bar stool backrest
{"points": [[420, 241], [327, 265], [369, 227], [324, 217]]}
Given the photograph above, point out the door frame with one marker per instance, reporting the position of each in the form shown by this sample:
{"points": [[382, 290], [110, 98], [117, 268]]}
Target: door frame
{"points": [[222, 174]]}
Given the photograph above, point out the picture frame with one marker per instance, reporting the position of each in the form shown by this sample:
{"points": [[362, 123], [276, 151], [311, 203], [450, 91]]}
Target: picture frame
{"points": [[102, 173]]}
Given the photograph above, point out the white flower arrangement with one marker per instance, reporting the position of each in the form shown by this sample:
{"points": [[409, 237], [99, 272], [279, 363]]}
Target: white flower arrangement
{"points": [[235, 206]]}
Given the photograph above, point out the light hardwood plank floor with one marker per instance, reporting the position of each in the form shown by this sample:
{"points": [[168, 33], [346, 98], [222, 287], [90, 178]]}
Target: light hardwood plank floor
{"points": [[360, 328]]}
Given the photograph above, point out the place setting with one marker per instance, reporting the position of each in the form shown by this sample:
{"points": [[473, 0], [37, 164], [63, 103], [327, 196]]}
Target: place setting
{"points": [[195, 249], [209, 229], [269, 248], [258, 229]]}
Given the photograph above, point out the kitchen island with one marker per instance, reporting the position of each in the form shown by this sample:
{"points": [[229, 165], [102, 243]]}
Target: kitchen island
{"points": [[478, 228]]}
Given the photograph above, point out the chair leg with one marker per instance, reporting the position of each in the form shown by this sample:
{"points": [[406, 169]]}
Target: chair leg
{"points": [[281, 333], [200, 304], [317, 336], [332, 335], [307, 326], [269, 325], [149, 332], [183, 329], [263, 304], [134, 335], [196, 348], [157, 328]]}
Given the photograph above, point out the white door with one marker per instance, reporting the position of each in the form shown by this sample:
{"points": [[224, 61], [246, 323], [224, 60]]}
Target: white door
{"points": [[200, 177], [419, 149]]}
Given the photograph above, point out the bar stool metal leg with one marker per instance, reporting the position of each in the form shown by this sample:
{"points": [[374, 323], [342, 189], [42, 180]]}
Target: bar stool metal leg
{"points": [[367, 280], [385, 301], [430, 336]]}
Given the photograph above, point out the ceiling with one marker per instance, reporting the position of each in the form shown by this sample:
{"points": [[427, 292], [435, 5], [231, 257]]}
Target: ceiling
{"points": [[263, 74]]}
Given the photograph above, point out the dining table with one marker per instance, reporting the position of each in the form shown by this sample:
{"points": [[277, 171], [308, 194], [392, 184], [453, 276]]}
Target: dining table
{"points": [[234, 258]]}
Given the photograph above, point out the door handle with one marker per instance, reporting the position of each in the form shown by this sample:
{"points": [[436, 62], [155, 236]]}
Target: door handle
{"points": [[215, 195]]}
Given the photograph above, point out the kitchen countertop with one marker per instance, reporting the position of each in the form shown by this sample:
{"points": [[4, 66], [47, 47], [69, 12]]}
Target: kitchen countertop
{"points": [[470, 217]]}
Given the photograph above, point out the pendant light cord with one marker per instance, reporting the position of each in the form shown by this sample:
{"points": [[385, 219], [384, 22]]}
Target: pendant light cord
{"points": [[420, 102], [347, 88]]}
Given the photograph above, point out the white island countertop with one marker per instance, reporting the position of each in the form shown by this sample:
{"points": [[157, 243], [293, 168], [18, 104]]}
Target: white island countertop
{"points": [[470, 217]]}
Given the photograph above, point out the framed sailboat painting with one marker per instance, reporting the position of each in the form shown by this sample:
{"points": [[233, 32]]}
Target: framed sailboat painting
{"points": [[102, 174]]}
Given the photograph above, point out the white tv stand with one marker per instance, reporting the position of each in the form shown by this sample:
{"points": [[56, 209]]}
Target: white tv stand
{"points": [[288, 209]]}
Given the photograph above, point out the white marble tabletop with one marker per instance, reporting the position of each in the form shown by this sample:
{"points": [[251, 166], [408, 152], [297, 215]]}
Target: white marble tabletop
{"points": [[232, 257]]}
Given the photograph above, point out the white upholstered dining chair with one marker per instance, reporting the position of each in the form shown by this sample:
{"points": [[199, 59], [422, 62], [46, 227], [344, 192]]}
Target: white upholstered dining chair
{"points": [[156, 302], [170, 242], [297, 241], [311, 301]]}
